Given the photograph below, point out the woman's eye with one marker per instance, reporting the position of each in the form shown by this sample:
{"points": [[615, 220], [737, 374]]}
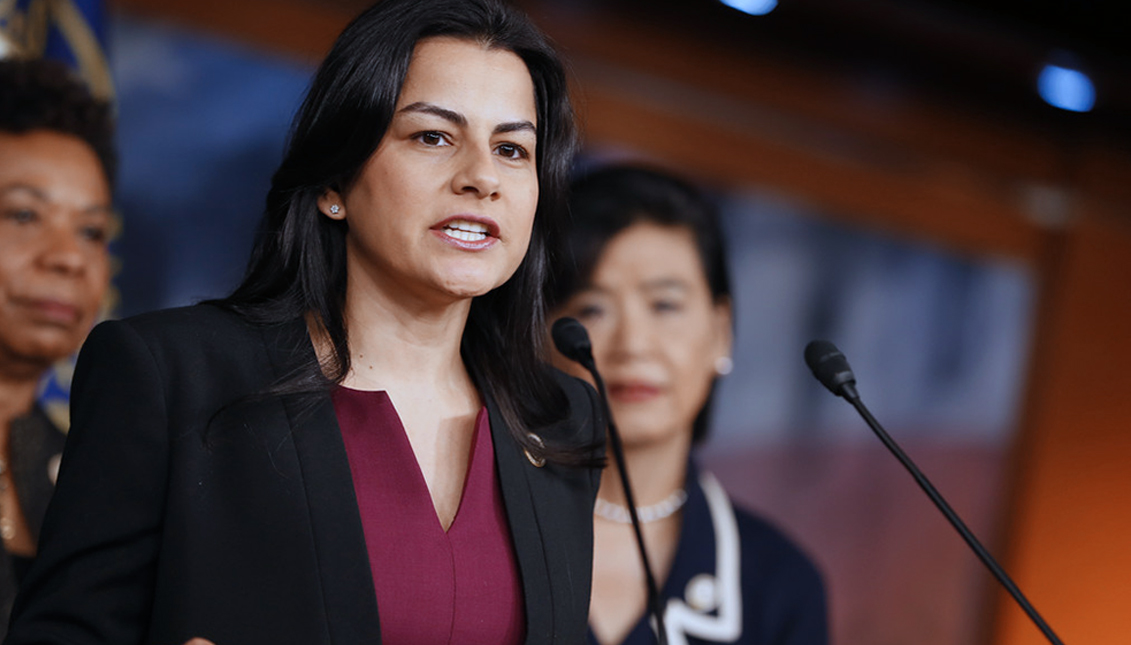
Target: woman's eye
{"points": [[512, 151], [20, 215], [666, 306], [97, 234], [432, 138], [589, 312]]}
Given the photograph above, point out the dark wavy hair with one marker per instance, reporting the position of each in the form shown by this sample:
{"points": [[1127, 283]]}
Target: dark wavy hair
{"points": [[298, 264], [606, 201], [38, 94]]}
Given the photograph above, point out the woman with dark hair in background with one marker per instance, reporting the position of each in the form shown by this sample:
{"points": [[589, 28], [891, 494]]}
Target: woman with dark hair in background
{"points": [[56, 171], [365, 426], [647, 277]]}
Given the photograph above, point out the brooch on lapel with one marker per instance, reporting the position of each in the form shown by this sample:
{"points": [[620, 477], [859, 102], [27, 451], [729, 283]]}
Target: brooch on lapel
{"points": [[537, 461]]}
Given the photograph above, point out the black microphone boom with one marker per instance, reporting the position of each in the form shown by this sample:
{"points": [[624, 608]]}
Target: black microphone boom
{"points": [[572, 340], [831, 368]]}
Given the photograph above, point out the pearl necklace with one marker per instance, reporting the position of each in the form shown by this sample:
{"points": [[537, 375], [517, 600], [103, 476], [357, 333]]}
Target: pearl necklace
{"points": [[658, 511]]}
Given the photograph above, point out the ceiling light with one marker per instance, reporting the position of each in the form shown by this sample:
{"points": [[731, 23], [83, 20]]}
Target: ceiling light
{"points": [[1066, 88], [752, 7]]}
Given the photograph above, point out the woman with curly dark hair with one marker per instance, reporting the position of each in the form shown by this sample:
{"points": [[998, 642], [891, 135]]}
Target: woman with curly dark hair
{"points": [[56, 170], [366, 427]]}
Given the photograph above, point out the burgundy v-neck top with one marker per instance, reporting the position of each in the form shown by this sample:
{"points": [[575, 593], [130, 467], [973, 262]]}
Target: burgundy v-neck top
{"points": [[433, 586]]}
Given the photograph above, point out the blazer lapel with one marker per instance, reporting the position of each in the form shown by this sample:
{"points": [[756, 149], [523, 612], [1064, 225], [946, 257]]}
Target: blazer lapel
{"points": [[350, 601], [514, 469]]}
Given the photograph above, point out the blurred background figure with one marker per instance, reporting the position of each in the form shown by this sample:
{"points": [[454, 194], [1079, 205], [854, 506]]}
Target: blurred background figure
{"points": [[645, 271], [56, 171], [72, 32]]}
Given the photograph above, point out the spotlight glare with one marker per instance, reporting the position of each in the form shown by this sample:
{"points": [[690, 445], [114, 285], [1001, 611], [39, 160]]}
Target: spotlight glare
{"points": [[1067, 89], [752, 7]]}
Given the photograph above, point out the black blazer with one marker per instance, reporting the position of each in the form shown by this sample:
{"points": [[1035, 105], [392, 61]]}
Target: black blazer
{"points": [[187, 507]]}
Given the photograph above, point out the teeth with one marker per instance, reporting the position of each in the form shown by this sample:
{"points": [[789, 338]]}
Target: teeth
{"points": [[466, 231], [466, 236], [470, 227]]}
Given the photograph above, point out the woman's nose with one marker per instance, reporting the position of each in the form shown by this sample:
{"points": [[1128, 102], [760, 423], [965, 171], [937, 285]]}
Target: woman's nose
{"points": [[62, 250], [632, 335], [477, 173]]}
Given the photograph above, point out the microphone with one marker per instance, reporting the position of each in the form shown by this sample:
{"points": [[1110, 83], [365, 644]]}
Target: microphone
{"points": [[831, 368], [572, 340]]}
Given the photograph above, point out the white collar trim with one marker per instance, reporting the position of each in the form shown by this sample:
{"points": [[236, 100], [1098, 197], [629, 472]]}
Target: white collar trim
{"points": [[680, 619]]}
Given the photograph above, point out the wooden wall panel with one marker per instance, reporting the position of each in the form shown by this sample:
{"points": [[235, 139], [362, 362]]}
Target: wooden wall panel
{"points": [[850, 102], [900, 191], [1068, 541]]}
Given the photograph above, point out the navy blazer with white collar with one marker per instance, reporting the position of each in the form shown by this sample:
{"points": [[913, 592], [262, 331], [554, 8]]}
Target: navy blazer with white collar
{"points": [[186, 506]]}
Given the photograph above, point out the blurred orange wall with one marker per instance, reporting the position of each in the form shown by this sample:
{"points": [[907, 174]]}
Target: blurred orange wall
{"points": [[1069, 542]]}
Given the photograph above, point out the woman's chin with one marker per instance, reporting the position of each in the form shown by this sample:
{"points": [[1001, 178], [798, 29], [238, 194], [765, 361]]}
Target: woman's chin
{"points": [[471, 284], [465, 291], [47, 345], [643, 430]]}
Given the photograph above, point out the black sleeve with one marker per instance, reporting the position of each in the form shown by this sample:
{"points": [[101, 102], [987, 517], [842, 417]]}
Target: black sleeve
{"points": [[805, 620], [93, 578], [783, 591]]}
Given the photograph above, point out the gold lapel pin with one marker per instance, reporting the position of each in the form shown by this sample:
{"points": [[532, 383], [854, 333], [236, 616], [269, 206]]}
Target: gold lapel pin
{"points": [[537, 461]]}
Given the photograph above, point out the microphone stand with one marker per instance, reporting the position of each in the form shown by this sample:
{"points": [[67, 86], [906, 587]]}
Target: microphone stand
{"points": [[572, 340], [852, 397], [618, 457]]}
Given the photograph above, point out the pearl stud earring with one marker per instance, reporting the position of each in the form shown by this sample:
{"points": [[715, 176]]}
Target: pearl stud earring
{"points": [[724, 365]]}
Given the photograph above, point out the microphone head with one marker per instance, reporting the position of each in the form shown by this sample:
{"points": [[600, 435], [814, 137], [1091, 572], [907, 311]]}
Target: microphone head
{"points": [[830, 367], [572, 340]]}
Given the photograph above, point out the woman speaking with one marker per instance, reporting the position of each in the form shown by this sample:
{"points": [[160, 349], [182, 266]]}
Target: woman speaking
{"points": [[365, 426]]}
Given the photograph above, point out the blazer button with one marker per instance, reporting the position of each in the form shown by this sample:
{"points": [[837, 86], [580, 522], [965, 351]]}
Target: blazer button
{"points": [[537, 461], [702, 593]]}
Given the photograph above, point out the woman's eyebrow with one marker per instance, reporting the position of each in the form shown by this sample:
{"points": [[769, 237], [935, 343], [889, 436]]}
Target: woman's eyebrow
{"points": [[458, 119], [100, 210], [22, 187], [516, 126], [431, 108], [665, 283]]}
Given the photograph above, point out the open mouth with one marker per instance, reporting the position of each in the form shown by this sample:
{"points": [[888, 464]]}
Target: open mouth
{"points": [[466, 231]]}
